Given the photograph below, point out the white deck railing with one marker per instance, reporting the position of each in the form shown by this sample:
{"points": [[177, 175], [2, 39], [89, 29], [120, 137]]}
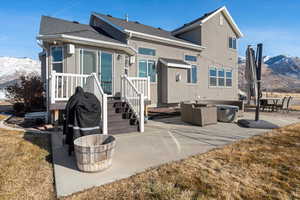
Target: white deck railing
{"points": [[63, 85], [142, 85], [93, 86], [134, 98]]}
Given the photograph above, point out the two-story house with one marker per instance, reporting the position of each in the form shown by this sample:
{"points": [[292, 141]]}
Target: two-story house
{"points": [[128, 59]]}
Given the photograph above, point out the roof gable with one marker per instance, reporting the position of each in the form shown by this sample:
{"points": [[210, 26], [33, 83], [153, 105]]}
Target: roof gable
{"points": [[134, 26], [205, 18]]}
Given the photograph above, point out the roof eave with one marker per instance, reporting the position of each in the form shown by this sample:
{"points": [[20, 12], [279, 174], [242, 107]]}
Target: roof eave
{"points": [[164, 40], [88, 41]]}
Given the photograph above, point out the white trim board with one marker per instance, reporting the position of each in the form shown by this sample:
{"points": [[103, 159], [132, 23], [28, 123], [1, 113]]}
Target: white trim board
{"points": [[175, 65], [185, 44], [81, 40]]}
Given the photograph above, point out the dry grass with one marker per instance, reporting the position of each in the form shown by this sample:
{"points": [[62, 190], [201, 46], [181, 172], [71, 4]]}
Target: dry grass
{"points": [[297, 108], [281, 94], [25, 172], [262, 167], [2, 117]]}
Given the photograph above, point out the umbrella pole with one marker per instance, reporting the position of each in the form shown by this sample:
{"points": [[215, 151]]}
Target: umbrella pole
{"points": [[258, 73]]}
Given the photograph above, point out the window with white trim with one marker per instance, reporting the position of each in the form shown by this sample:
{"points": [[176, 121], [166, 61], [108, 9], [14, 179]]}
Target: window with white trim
{"points": [[213, 76], [57, 58], [192, 74], [221, 77], [190, 58], [228, 78], [232, 43], [147, 51], [147, 68]]}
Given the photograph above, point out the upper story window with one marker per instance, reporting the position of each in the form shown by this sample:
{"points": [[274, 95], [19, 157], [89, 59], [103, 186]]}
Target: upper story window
{"points": [[147, 51], [232, 43], [57, 58], [192, 74], [190, 58], [147, 68]]}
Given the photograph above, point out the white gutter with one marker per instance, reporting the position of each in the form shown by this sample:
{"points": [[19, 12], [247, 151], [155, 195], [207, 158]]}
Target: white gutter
{"points": [[175, 64], [189, 45], [131, 51]]}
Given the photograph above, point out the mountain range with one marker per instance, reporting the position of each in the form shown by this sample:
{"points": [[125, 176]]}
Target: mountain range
{"points": [[11, 68], [279, 73]]}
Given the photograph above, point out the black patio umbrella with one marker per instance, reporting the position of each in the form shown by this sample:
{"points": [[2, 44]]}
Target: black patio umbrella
{"points": [[253, 77]]}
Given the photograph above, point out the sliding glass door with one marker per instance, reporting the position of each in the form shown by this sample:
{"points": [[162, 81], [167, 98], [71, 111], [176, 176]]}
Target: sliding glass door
{"points": [[90, 59], [105, 71], [88, 62]]}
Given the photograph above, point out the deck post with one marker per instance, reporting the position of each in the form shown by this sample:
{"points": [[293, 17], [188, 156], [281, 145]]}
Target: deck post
{"points": [[142, 113], [148, 86], [52, 88], [104, 114]]}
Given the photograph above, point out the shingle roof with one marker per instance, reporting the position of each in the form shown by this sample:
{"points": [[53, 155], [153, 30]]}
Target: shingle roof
{"points": [[196, 20], [138, 27], [52, 26]]}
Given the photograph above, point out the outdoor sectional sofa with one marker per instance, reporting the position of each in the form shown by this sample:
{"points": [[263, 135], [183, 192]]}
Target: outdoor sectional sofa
{"points": [[198, 114]]}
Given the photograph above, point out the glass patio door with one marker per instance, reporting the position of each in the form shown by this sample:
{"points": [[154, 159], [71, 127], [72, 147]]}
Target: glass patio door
{"points": [[106, 69]]}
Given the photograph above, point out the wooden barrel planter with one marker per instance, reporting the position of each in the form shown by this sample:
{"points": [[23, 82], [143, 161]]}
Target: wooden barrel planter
{"points": [[94, 153]]}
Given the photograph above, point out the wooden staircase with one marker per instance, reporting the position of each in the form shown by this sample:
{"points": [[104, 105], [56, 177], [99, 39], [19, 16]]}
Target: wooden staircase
{"points": [[120, 118]]}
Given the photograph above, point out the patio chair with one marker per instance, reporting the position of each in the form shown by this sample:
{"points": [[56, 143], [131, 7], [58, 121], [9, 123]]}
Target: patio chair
{"points": [[266, 105], [288, 103], [281, 105]]}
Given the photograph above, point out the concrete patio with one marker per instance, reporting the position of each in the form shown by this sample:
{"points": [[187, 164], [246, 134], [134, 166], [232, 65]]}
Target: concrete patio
{"points": [[163, 141]]}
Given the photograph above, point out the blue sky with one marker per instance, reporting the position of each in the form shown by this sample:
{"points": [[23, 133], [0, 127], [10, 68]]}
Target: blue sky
{"points": [[273, 22]]}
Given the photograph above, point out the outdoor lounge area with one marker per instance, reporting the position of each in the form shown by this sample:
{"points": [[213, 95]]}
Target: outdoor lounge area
{"points": [[163, 141], [275, 104]]}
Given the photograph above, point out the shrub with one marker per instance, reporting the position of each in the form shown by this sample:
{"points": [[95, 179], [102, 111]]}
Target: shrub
{"points": [[29, 91], [19, 108]]}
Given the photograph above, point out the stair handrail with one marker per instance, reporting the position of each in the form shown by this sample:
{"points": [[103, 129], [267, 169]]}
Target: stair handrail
{"points": [[93, 86], [134, 99]]}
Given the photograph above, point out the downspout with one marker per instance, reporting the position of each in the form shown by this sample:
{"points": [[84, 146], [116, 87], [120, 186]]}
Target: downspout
{"points": [[47, 79]]}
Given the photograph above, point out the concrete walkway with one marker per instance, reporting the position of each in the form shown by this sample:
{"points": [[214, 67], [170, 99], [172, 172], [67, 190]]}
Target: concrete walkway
{"points": [[164, 141]]}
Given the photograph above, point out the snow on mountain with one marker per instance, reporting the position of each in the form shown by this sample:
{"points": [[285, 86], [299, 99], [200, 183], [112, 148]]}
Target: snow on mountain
{"points": [[285, 65], [280, 72], [11, 67]]}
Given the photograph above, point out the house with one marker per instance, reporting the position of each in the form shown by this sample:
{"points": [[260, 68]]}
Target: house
{"points": [[140, 64]]}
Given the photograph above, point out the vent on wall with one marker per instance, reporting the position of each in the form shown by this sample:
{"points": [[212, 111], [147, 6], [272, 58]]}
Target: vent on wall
{"points": [[221, 19]]}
